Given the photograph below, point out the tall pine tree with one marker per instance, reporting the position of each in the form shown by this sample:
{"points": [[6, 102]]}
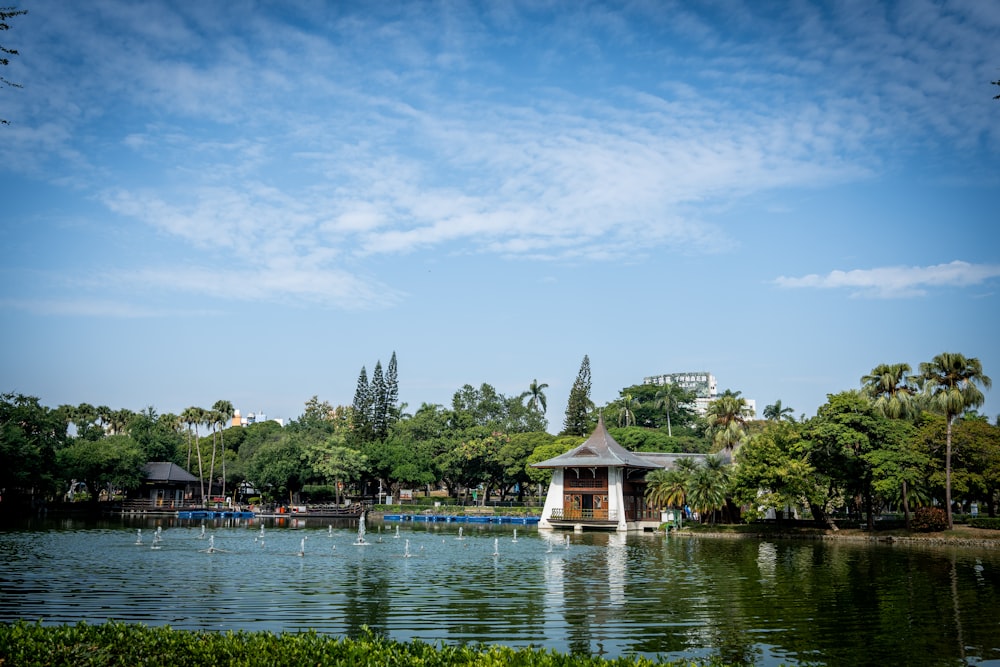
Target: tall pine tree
{"points": [[579, 403], [380, 423], [361, 412], [392, 391]]}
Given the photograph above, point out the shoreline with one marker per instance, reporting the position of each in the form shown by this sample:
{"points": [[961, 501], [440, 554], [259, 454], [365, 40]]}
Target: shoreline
{"points": [[972, 537]]}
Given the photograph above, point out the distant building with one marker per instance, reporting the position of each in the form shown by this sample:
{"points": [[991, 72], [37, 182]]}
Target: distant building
{"points": [[253, 418], [702, 383]]}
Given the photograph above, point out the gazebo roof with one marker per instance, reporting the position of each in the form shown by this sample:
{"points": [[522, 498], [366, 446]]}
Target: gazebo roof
{"points": [[599, 450], [163, 471]]}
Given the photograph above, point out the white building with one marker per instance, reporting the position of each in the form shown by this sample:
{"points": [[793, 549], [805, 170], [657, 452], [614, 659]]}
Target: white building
{"points": [[702, 383]]}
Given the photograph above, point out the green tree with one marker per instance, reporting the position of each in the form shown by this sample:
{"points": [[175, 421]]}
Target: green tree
{"points": [[892, 390], [667, 487], [950, 382], [726, 420], [842, 440], [30, 436], [392, 391], [279, 467], [380, 411], [544, 452], [772, 471], [155, 434], [361, 412], [670, 398], [536, 396], [579, 405], [627, 405], [708, 487], [336, 463], [777, 412], [222, 415], [194, 417], [113, 463], [513, 457]]}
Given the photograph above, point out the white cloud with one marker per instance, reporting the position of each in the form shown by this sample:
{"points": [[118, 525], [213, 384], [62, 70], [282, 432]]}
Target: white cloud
{"points": [[897, 281]]}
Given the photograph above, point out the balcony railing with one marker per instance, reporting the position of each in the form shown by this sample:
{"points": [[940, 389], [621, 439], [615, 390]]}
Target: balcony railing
{"points": [[584, 515]]}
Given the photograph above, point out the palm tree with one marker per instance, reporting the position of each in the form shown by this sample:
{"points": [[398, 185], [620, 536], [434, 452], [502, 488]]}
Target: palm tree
{"points": [[708, 486], [667, 487], [194, 416], [224, 411], [535, 396], [776, 412], [892, 390], [950, 387], [727, 418], [668, 399], [626, 412]]}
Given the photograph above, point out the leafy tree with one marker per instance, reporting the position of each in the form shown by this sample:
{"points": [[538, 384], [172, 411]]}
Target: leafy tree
{"points": [[336, 463], [950, 382], [193, 417], [544, 452], [7, 13], [513, 457], [893, 392], [30, 436], [113, 463], [279, 467], [156, 435], [479, 407], [578, 405], [773, 472], [777, 412], [842, 439]]}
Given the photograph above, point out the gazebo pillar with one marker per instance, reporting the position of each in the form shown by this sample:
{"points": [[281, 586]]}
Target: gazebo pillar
{"points": [[554, 497]]}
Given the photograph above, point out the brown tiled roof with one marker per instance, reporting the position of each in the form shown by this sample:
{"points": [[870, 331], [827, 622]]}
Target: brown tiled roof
{"points": [[600, 449]]}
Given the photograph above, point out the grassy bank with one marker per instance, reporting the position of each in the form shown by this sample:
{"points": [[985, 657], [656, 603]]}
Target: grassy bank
{"points": [[112, 644]]}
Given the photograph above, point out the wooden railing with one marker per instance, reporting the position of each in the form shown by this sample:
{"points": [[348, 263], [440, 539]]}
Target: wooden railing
{"points": [[584, 515]]}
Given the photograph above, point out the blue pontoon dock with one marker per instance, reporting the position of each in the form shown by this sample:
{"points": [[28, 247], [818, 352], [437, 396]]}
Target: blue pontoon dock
{"points": [[462, 518]]}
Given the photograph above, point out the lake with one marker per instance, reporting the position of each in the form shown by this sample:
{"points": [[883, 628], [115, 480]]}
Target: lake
{"points": [[764, 602]]}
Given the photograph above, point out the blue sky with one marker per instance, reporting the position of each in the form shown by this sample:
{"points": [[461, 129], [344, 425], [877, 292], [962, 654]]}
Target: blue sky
{"points": [[251, 201]]}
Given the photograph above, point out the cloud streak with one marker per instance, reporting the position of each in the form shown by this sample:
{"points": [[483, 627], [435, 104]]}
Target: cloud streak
{"points": [[897, 281]]}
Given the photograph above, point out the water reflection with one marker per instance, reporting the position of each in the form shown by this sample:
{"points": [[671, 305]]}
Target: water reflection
{"points": [[762, 602]]}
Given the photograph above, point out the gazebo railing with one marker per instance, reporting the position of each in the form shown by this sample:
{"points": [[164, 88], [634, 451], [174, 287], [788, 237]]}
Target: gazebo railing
{"points": [[562, 514]]}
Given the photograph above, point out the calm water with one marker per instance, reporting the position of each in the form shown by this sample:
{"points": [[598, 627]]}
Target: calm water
{"points": [[761, 602]]}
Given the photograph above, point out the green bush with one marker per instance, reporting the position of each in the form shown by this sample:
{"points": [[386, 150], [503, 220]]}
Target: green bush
{"points": [[319, 493], [111, 644], [985, 522], [929, 520]]}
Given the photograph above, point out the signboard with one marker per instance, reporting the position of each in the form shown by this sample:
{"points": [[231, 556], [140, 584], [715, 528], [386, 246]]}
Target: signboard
{"points": [[406, 494]]}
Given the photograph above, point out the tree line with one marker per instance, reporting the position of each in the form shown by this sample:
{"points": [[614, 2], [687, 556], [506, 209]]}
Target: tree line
{"points": [[900, 441]]}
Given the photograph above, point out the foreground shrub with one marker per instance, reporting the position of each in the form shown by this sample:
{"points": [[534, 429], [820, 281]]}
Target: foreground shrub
{"points": [[111, 644], [929, 520]]}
